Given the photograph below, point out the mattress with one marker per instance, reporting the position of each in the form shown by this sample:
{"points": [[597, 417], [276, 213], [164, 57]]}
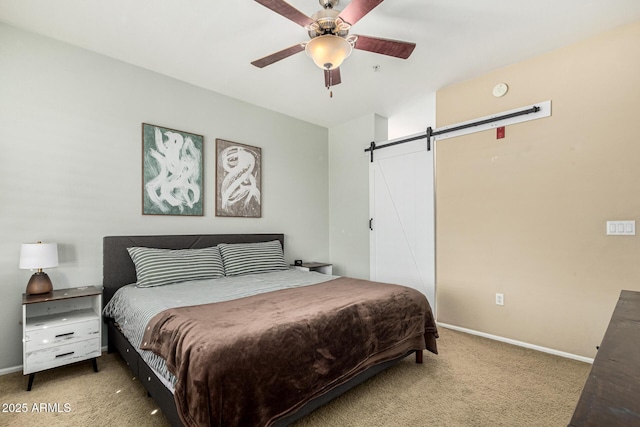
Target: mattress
{"points": [[133, 307]]}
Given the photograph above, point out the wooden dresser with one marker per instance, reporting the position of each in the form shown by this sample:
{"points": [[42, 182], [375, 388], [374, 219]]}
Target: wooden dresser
{"points": [[611, 395]]}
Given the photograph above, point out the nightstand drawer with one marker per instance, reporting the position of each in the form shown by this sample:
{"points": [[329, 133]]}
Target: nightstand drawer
{"points": [[61, 355], [45, 337]]}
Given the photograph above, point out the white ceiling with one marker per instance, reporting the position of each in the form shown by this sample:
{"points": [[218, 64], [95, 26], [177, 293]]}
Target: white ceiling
{"points": [[210, 43]]}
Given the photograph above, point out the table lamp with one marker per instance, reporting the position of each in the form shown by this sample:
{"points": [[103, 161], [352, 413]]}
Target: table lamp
{"points": [[38, 256]]}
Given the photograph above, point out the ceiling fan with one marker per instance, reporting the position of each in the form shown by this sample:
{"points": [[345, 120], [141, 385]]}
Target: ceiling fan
{"points": [[330, 42]]}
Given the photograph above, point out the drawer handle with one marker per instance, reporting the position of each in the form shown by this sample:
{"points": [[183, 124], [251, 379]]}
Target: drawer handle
{"points": [[65, 335], [65, 354]]}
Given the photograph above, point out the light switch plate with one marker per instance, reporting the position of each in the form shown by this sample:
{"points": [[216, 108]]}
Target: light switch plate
{"points": [[621, 228]]}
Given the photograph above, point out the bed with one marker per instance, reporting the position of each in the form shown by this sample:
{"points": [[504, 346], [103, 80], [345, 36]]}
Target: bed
{"points": [[228, 350]]}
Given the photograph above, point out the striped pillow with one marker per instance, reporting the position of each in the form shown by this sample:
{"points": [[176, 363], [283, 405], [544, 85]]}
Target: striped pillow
{"points": [[248, 258], [156, 267]]}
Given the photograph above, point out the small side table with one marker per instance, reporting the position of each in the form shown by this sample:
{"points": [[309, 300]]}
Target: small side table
{"points": [[320, 267], [61, 327]]}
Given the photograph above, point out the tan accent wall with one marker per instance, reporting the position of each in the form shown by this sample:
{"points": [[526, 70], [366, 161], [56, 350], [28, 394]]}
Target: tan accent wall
{"points": [[526, 215]]}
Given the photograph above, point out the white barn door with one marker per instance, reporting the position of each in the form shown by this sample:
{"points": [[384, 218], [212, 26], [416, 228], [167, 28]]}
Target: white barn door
{"points": [[402, 210]]}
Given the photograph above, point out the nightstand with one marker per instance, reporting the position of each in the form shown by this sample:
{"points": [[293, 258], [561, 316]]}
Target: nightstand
{"points": [[320, 267], [59, 328]]}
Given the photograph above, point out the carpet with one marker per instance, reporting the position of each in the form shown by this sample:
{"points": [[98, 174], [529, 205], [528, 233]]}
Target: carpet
{"points": [[474, 381]]}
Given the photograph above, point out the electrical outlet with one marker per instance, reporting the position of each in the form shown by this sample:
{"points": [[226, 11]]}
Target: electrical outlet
{"points": [[499, 299]]}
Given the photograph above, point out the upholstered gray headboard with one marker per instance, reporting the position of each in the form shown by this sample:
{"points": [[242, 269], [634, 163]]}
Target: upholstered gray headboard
{"points": [[118, 269]]}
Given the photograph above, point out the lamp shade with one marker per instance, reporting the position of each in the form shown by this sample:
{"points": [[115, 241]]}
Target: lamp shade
{"points": [[328, 51], [38, 255]]}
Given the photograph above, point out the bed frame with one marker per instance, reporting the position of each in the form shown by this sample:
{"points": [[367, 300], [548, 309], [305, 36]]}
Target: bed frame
{"points": [[119, 270]]}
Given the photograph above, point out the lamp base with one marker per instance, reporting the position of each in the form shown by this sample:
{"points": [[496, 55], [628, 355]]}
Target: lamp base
{"points": [[39, 283]]}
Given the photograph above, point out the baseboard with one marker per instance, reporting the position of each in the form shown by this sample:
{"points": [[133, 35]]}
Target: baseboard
{"points": [[10, 370], [518, 343]]}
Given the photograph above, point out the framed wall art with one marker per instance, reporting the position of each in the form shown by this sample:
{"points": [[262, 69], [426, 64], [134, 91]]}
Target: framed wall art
{"points": [[238, 180], [172, 172]]}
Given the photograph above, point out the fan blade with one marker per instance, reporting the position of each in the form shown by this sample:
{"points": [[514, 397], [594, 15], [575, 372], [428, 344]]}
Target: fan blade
{"points": [[396, 48], [357, 9], [332, 77], [275, 57], [288, 11]]}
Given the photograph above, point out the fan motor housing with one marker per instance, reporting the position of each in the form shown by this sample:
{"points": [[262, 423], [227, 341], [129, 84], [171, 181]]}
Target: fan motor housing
{"points": [[328, 4], [327, 22]]}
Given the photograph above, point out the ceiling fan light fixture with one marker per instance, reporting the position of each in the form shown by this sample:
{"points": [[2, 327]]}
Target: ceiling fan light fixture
{"points": [[328, 51]]}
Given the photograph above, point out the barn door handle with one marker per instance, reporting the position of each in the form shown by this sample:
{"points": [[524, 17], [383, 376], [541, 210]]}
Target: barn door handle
{"points": [[371, 224]]}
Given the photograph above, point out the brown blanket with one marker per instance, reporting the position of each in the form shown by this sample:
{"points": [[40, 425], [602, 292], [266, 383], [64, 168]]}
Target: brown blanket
{"points": [[253, 360]]}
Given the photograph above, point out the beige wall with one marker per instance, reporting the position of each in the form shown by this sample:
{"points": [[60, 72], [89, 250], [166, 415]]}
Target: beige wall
{"points": [[525, 215]]}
